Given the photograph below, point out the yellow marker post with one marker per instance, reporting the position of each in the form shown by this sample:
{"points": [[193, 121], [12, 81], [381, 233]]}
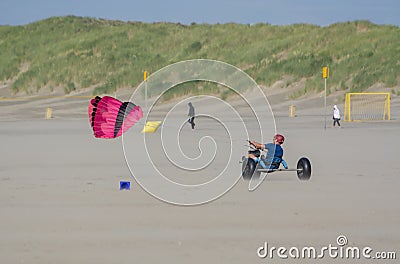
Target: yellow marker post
{"points": [[145, 87], [292, 111], [325, 75], [49, 113], [325, 72]]}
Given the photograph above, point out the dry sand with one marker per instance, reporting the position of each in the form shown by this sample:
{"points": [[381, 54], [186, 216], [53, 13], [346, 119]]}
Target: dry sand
{"points": [[60, 200]]}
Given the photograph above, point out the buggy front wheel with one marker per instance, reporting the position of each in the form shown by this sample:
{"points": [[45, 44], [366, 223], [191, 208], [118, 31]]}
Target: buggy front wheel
{"points": [[304, 169]]}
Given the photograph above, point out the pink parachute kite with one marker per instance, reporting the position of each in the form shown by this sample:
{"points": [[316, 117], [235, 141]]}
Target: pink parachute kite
{"points": [[110, 117]]}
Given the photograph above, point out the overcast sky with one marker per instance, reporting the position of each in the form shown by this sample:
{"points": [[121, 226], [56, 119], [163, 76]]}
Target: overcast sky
{"points": [[278, 12]]}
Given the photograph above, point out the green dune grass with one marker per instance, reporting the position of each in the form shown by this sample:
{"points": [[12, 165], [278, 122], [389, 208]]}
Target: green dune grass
{"points": [[79, 52]]}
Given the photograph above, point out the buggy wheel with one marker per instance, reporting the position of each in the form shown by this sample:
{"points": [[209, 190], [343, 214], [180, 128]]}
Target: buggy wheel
{"points": [[304, 169], [248, 167]]}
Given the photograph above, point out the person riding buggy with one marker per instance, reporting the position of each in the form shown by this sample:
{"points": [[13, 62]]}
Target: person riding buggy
{"points": [[274, 153], [255, 163]]}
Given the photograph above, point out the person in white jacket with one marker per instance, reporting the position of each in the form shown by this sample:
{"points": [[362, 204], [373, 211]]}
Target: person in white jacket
{"points": [[336, 116]]}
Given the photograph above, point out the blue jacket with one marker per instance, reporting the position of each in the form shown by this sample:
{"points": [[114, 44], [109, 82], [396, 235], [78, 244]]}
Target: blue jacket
{"points": [[274, 154]]}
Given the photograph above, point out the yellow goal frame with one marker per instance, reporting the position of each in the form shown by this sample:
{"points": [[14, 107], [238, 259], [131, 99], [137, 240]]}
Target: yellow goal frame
{"points": [[348, 107]]}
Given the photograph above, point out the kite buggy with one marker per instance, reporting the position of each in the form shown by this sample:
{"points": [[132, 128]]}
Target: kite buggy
{"points": [[255, 164]]}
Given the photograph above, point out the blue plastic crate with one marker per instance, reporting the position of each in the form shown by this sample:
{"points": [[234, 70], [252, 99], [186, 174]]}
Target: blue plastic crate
{"points": [[124, 185]]}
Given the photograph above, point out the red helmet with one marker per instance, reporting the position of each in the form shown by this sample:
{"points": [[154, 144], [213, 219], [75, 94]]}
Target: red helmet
{"points": [[279, 138]]}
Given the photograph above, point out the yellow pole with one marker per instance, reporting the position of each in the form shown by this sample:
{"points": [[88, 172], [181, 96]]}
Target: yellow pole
{"points": [[292, 111], [145, 87], [325, 75], [49, 113]]}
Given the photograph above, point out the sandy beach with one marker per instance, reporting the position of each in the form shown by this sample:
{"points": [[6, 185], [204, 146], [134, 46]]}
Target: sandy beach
{"points": [[60, 200]]}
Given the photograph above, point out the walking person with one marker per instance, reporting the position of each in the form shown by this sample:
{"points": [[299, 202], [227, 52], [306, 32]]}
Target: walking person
{"points": [[336, 116], [191, 115]]}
